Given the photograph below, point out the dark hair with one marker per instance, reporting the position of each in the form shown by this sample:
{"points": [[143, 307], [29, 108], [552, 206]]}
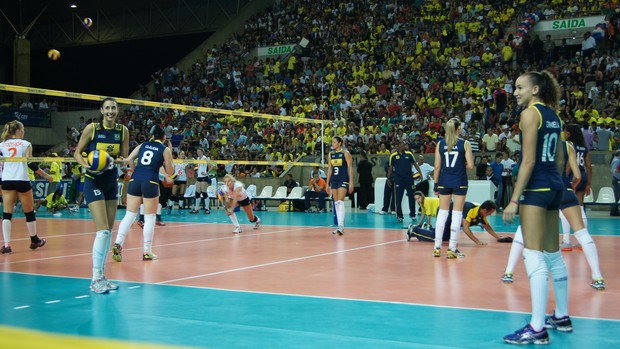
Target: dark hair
{"points": [[575, 135], [488, 205], [549, 87], [158, 133]]}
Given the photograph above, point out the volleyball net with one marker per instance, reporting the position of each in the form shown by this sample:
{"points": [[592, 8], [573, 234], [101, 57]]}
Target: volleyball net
{"points": [[60, 105]]}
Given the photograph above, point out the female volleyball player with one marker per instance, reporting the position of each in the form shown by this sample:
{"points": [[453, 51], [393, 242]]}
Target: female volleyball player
{"points": [[539, 189], [144, 188], [100, 188], [202, 182], [570, 213], [453, 156], [180, 181], [15, 184], [339, 180], [234, 195]]}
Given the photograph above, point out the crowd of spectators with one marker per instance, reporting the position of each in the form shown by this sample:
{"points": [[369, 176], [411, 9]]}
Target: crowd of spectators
{"points": [[379, 72]]}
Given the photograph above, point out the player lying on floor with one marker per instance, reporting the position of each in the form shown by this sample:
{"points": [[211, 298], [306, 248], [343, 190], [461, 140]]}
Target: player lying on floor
{"points": [[473, 215]]}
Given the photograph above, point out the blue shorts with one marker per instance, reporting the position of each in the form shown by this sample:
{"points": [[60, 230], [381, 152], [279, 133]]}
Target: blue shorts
{"points": [[452, 191], [103, 186], [145, 189], [569, 199], [549, 199], [335, 184], [582, 185]]}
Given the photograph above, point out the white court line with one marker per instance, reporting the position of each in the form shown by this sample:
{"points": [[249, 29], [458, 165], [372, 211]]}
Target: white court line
{"points": [[21, 307], [164, 245], [52, 302], [281, 262], [82, 296]]}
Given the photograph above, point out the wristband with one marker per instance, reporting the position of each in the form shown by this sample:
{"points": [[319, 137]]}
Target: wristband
{"points": [[515, 202]]}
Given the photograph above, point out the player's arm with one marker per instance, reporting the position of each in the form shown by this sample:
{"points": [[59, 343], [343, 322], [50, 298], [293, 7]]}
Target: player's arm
{"points": [[35, 168], [489, 229], [349, 159], [329, 172], [469, 156], [588, 166], [85, 139], [470, 234], [130, 160], [437, 168], [572, 165], [125, 144]]}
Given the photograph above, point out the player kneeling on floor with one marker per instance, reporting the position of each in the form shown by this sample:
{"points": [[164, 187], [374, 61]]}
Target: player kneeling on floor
{"points": [[473, 215]]}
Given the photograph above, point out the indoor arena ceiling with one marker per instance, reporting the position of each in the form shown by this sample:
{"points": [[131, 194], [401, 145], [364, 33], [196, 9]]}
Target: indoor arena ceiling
{"points": [[48, 23]]}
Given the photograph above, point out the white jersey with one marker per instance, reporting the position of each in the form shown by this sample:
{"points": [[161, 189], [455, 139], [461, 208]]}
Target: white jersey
{"points": [[242, 194], [179, 170], [15, 148], [202, 168]]}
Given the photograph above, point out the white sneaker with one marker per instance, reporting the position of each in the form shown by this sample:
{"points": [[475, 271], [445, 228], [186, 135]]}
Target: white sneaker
{"points": [[57, 214], [257, 223], [382, 213], [237, 230]]}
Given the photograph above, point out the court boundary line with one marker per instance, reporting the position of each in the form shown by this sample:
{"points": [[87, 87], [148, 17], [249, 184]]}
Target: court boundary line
{"points": [[90, 294]]}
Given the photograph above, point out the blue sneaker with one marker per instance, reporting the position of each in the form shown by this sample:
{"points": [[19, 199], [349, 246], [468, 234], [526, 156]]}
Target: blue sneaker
{"points": [[527, 335], [561, 324]]}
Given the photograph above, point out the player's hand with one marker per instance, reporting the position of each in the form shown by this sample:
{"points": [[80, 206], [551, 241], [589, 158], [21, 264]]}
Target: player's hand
{"points": [[480, 243], [510, 213]]}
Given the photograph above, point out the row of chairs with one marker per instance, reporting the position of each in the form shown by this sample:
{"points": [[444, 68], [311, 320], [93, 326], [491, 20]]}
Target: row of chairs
{"points": [[605, 197]]}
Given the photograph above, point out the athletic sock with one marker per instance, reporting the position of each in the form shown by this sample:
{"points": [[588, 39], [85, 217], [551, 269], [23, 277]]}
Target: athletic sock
{"points": [[148, 231], [234, 220], [516, 251], [6, 231], [100, 249], [557, 267], [455, 229], [124, 226], [442, 217], [538, 272], [339, 205], [590, 251]]}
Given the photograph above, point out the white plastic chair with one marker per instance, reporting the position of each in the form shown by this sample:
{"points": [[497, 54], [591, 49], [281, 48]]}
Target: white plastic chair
{"points": [[280, 193], [251, 190], [264, 195], [190, 195], [295, 194], [605, 196]]}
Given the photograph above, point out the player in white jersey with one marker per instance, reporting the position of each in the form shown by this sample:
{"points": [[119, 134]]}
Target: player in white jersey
{"points": [[233, 193], [16, 184], [180, 181], [202, 182]]}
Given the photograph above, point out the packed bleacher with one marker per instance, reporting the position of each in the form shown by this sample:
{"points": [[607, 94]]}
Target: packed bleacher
{"points": [[381, 71]]}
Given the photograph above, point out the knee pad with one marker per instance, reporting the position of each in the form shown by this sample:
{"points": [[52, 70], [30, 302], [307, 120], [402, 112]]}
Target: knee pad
{"points": [[204, 195], [198, 196], [6, 215], [30, 216]]}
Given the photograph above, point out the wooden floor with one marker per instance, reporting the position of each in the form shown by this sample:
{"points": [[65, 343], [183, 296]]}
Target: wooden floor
{"points": [[292, 284]]}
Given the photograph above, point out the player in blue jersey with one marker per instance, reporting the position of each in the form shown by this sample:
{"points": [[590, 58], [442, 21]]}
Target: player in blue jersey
{"points": [[100, 188], [571, 217], [144, 189], [573, 134], [339, 180], [453, 156], [539, 190]]}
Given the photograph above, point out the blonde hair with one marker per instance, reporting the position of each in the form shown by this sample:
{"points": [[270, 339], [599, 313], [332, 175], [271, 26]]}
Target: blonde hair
{"points": [[451, 136], [10, 128]]}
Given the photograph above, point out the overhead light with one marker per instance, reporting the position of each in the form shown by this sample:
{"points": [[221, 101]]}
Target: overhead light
{"points": [[73, 5]]}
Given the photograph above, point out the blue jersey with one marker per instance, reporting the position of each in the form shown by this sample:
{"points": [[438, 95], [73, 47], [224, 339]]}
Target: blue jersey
{"points": [[453, 173], [150, 159], [580, 154], [108, 139], [545, 175], [340, 168]]}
